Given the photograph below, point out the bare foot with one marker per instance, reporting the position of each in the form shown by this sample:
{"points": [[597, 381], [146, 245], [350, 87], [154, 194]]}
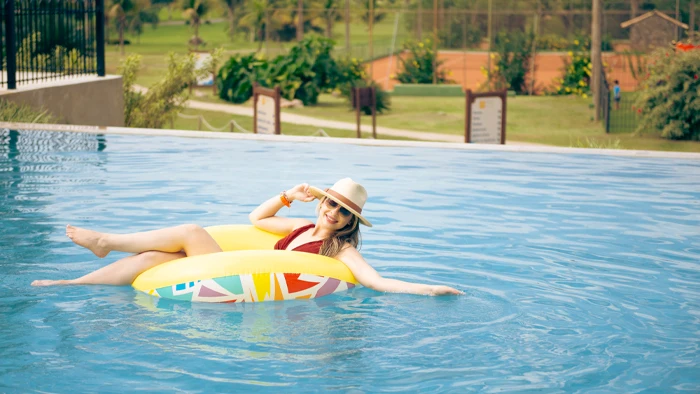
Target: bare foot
{"points": [[47, 282], [88, 239]]}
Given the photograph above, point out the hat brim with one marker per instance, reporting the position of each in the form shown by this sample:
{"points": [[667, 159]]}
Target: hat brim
{"points": [[318, 193]]}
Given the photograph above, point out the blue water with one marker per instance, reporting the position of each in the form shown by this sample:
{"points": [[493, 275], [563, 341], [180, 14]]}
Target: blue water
{"points": [[582, 272]]}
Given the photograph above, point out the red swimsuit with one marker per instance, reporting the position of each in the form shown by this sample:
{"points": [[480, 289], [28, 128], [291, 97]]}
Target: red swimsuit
{"points": [[309, 247]]}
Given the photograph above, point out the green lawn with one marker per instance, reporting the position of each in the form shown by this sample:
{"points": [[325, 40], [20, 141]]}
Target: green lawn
{"points": [[155, 44], [219, 120], [549, 120]]}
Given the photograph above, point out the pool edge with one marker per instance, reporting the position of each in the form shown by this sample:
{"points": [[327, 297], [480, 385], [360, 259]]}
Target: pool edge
{"points": [[353, 141]]}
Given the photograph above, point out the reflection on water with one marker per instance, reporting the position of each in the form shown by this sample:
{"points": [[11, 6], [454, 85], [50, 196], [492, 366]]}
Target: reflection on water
{"points": [[581, 272]]}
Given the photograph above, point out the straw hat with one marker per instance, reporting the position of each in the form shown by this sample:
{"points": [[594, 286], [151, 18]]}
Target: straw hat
{"points": [[349, 194]]}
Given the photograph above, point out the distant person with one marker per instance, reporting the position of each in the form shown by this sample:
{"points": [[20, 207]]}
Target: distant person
{"points": [[616, 94]]}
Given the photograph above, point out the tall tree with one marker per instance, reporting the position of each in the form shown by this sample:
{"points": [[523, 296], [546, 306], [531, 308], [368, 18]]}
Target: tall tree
{"points": [[255, 19], [195, 10], [231, 8], [330, 13], [119, 11]]}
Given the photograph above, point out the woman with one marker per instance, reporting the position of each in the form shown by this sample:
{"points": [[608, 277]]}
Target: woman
{"points": [[335, 234]]}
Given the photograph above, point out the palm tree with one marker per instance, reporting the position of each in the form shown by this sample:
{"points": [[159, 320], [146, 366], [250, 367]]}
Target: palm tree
{"points": [[231, 6], [330, 14], [118, 11], [255, 19], [195, 11]]}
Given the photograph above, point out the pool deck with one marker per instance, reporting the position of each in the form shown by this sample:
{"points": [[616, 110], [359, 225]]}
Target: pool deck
{"points": [[352, 141]]}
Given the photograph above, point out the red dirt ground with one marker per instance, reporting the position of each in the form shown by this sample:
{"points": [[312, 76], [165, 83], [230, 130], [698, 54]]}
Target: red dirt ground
{"points": [[465, 69]]}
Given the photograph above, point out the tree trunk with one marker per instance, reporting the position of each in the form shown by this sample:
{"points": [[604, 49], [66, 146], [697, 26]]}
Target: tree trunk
{"points": [[596, 55], [195, 25], [300, 20], [121, 35], [347, 26], [419, 28], [106, 28], [474, 21], [691, 21], [231, 21], [634, 8], [329, 26]]}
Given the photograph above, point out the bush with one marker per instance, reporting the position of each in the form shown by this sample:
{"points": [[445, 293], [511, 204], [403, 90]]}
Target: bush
{"points": [[669, 101], [164, 99], [417, 67], [11, 112], [236, 78], [306, 71], [576, 77], [383, 98], [513, 52], [453, 37]]}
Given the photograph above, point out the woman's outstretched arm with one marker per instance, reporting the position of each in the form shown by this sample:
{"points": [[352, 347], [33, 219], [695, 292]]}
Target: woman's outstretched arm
{"points": [[263, 217], [369, 277]]}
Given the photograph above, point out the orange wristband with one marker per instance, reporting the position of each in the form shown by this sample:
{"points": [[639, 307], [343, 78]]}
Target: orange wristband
{"points": [[285, 201]]}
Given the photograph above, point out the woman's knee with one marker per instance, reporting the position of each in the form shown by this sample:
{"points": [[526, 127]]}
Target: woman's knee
{"points": [[192, 229]]}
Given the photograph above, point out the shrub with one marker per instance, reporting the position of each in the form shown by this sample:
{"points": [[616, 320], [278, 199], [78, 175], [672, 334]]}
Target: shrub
{"points": [[513, 52], [11, 112], [576, 75], [417, 67], [383, 98], [163, 100], [236, 78], [669, 100], [306, 71]]}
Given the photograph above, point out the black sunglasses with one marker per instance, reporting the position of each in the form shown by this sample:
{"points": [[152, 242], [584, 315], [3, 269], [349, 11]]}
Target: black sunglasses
{"points": [[332, 204]]}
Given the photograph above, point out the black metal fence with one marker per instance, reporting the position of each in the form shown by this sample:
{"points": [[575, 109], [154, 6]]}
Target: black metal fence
{"points": [[44, 40]]}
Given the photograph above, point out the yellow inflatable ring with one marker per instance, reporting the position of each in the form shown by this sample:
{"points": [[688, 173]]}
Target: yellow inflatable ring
{"points": [[248, 270]]}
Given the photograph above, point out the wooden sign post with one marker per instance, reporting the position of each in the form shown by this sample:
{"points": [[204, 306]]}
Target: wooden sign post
{"points": [[266, 110], [485, 118], [363, 97]]}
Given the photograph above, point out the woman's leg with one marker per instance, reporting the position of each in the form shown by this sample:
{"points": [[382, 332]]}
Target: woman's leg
{"points": [[121, 272], [190, 238]]}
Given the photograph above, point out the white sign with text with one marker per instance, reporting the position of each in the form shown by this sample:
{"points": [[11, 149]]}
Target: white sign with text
{"points": [[266, 115], [486, 120]]}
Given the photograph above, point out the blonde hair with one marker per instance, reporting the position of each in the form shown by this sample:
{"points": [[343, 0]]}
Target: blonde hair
{"points": [[350, 234]]}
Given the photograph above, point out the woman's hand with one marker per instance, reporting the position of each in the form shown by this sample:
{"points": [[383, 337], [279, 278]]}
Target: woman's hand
{"points": [[437, 290], [300, 192]]}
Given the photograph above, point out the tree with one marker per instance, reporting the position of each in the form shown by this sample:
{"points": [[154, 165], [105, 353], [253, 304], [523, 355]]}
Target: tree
{"points": [[231, 6], [195, 11], [255, 19], [121, 11], [330, 14]]}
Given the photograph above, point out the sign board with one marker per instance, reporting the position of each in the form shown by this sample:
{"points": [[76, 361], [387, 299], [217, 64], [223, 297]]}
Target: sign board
{"points": [[201, 60], [266, 110], [365, 97], [485, 118]]}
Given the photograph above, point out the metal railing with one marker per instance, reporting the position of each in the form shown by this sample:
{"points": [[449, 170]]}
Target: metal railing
{"points": [[44, 40]]}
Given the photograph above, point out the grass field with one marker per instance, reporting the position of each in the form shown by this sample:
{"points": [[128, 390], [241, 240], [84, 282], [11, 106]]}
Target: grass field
{"points": [[549, 120], [560, 121], [221, 120], [155, 44]]}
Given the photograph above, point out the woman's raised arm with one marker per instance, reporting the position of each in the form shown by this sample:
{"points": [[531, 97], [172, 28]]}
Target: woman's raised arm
{"points": [[369, 277], [263, 217]]}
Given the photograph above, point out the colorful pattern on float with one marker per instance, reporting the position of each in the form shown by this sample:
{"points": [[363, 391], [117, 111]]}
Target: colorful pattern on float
{"points": [[247, 270], [253, 288]]}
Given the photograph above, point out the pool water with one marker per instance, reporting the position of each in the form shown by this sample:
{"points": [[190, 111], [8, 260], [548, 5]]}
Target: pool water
{"points": [[582, 272]]}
